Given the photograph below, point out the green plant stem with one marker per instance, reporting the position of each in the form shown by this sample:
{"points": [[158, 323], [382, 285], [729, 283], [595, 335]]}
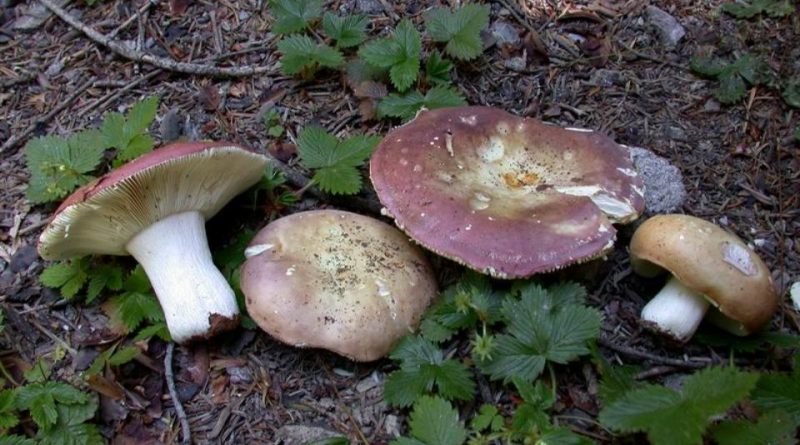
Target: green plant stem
{"points": [[552, 372], [8, 375]]}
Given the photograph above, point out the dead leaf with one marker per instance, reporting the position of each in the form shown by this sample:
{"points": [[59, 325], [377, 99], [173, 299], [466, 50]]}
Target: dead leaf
{"points": [[219, 390], [597, 49], [209, 98], [105, 386], [179, 7], [370, 89]]}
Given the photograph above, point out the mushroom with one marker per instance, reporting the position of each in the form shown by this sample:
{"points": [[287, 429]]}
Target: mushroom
{"points": [[708, 266], [504, 195], [336, 280], [155, 208]]}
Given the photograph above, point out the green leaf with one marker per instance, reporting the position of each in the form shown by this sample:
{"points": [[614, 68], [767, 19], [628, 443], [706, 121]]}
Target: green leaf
{"points": [[8, 415], [437, 69], [69, 276], [746, 10], [138, 145], [434, 422], [733, 77], [13, 439], [731, 88], [335, 161], [406, 106], [123, 356], [158, 330], [791, 92], [302, 53], [400, 53], [294, 15], [422, 369], [461, 29], [136, 304], [347, 31], [70, 428], [340, 440], [103, 277], [113, 130], [772, 428], [488, 417], [59, 165], [140, 116], [40, 399], [779, 392], [679, 418], [540, 329]]}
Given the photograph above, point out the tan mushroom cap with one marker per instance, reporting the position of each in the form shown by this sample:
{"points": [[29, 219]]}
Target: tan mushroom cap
{"points": [[710, 261], [504, 195], [336, 280], [102, 216]]}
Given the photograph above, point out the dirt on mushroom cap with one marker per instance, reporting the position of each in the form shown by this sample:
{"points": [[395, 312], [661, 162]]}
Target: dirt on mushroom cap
{"points": [[710, 261], [504, 195], [336, 280]]}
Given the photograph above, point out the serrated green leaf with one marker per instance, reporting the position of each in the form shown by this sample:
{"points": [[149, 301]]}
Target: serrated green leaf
{"points": [[59, 165], [335, 161], [13, 439], [338, 180], [113, 130], [294, 15], [437, 69], [103, 277], [140, 116], [488, 417], [461, 29], [746, 10], [435, 422], [137, 146], [406, 106], [404, 386], [791, 92], [731, 88], [347, 31], [779, 392], [123, 356], [772, 428], [400, 53], [136, 304], [40, 399], [679, 418], [69, 276], [541, 329], [8, 416], [302, 53], [158, 330], [708, 66]]}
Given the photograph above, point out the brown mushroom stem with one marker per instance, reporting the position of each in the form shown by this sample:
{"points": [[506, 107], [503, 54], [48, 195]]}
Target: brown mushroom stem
{"points": [[192, 291], [676, 310]]}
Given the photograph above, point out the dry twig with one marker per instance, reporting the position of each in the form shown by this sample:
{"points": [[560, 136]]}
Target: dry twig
{"points": [[176, 402], [138, 56]]}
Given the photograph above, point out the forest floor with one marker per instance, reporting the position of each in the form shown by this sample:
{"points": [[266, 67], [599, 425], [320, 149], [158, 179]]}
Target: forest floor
{"points": [[589, 64]]}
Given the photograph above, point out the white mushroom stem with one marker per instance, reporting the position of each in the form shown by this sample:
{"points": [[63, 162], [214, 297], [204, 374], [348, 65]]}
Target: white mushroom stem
{"points": [[676, 310], [175, 255]]}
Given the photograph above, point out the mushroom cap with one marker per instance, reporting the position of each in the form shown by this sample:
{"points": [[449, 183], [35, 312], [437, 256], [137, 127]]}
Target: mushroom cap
{"points": [[336, 280], [103, 215], [711, 261], [504, 195]]}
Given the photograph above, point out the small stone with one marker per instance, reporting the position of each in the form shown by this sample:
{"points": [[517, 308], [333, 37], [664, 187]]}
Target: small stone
{"points": [[369, 6], [240, 375], [391, 425], [664, 191], [244, 16], [517, 64], [606, 78], [669, 30], [54, 69], [504, 32], [711, 106], [676, 134]]}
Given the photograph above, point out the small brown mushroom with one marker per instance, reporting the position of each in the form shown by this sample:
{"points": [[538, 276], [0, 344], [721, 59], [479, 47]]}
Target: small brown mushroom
{"points": [[336, 280], [504, 195], [155, 208], [708, 265]]}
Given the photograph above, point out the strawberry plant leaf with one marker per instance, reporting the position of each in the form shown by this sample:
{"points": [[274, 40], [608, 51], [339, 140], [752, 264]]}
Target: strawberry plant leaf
{"points": [[773, 428], [129, 134], [733, 77], [540, 329], [407, 105], [462, 305], [399, 53], [460, 29], [294, 15], [679, 418], [59, 165], [136, 304], [13, 439], [423, 368], [103, 277], [433, 421], [746, 10], [68, 276], [488, 417], [347, 31], [156, 330], [437, 69], [8, 415], [41, 398], [301, 53], [779, 392], [336, 162]]}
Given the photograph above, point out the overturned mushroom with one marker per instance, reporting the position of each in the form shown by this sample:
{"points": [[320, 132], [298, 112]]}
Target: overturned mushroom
{"points": [[155, 208], [708, 266], [336, 280], [504, 195]]}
